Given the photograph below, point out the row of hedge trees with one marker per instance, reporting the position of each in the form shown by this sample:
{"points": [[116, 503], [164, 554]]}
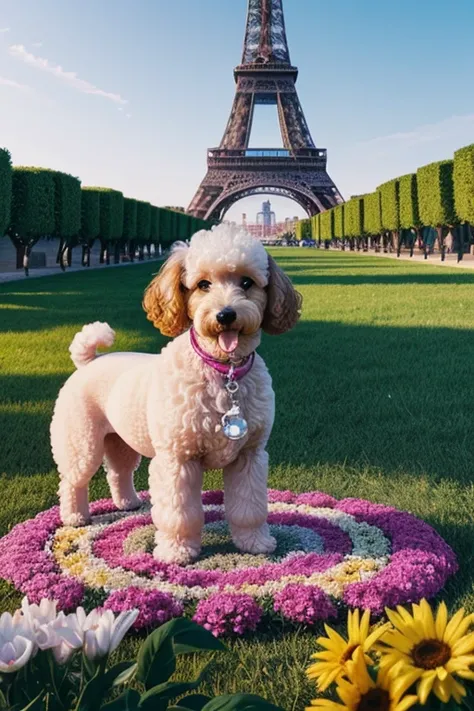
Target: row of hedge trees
{"points": [[422, 207], [37, 203]]}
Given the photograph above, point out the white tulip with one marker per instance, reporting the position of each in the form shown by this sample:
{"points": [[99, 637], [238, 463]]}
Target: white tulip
{"points": [[16, 642], [39, 615], [103, 632], [43, 621], [15, 654], [14, 625]]}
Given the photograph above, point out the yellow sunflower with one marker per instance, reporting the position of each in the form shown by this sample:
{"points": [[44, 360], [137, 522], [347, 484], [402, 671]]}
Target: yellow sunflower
{"points": [[361, 693], [332, 664], [437, 649]]}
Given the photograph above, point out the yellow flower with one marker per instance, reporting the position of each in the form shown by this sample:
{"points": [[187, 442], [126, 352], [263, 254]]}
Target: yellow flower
{"points": [[361, 693], [332, 664], [437, 649], [97, 578]]}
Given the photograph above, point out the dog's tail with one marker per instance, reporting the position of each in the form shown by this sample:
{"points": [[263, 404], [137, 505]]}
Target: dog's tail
{"points": [[83, 348]]}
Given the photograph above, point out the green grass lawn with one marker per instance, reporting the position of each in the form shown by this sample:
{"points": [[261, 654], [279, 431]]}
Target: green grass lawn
{"points": [[374, 399]]}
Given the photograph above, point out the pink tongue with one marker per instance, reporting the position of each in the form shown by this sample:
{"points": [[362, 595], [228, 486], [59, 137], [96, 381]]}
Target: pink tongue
{"points": [[228, 341]]}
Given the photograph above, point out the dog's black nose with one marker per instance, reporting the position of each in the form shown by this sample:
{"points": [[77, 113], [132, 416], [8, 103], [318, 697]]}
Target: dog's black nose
{"points": [[226, 316]]}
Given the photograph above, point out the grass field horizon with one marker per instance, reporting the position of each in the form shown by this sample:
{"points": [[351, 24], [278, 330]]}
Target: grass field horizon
{"points": [[373, 392]]}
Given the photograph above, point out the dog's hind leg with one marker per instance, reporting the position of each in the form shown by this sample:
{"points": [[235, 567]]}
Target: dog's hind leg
{"points": [[120, 464], [77, 443], [76, 467]]}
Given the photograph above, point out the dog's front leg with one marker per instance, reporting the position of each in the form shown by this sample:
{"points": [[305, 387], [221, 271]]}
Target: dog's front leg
{"points": [[246, 503], [177, 512]]}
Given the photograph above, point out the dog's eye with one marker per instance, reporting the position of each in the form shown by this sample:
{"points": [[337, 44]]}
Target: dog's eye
{"points": [[246, 283], [204, 285]]}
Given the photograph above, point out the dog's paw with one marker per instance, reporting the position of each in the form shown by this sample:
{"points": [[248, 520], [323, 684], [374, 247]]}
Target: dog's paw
{"points": [[255, 541], [76, 520], [170, 550], [130, 504]]}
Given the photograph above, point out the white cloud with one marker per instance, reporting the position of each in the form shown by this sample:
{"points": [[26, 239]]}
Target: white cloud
{"points": [[19, 51], [4, 29], [446, 128], [14, 84], [37, 44], [128, 116]]}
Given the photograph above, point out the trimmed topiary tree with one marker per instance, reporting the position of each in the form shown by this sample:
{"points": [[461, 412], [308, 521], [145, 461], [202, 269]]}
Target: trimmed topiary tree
{"points": [[5, 189], [143, 226], [165, 228], [373, 217], [111, 220], [155, 227], [463, 177], [354, 220], [339, 229], [390, 207], [436, 199], [410, 224], [129, 234], [303, 230], [67, 214], [316, 228], [327, 226], [32, 210], [90, 222]]}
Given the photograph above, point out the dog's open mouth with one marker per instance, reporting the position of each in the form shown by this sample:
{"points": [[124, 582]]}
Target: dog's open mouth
{"points": [[228, 341]]}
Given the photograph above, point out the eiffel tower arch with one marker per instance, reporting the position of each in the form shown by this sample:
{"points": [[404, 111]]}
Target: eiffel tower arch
{"points": [[298, 169]]}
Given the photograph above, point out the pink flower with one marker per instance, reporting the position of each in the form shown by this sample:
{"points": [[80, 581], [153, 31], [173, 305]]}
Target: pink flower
{"points": [[155, 607], [227, 613], [304, 603]]}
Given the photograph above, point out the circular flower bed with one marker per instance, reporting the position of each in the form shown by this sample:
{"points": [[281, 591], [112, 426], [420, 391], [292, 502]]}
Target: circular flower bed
{"points": [[328, 551]]}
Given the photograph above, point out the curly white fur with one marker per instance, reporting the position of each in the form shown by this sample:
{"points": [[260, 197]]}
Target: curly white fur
{"points": [[83, 348], [118, 407]]}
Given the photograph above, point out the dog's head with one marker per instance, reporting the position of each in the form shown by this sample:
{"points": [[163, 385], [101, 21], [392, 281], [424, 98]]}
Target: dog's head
{"points": [[228, 287]]}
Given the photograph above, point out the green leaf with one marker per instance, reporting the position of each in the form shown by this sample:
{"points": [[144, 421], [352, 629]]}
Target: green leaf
{"points": [[119, 674], [240, 702], [93, 692], [164, 692], [195, 702], [195, 639], [128, 701], [157, 655]]}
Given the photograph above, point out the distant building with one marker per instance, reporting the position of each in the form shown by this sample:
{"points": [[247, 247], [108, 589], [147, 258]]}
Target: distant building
{"points": [[266, 217], [266, 227]]}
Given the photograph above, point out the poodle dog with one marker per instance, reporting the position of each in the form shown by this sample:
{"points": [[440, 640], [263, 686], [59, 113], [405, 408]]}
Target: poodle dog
{"points": [[214, 297]]}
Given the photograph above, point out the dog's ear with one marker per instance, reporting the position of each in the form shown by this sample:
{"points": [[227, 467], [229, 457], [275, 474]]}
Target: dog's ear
{"points": [[284, 302], [165, 298]]}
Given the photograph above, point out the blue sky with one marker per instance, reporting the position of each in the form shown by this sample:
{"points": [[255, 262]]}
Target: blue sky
{"points": [[130, 94]]}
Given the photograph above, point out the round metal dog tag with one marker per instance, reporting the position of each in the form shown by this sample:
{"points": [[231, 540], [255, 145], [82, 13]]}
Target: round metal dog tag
{"points": [[234, 426]]}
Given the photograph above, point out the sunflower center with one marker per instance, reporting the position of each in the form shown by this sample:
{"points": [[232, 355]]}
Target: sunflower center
{"points": [[348, 653], [375, 700], [431, 653]]}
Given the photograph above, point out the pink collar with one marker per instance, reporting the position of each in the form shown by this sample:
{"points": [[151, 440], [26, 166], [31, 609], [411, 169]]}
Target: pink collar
{"points": [[233, 372]]}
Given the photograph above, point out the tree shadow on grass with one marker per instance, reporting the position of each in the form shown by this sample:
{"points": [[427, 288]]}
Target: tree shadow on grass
{"points": [[76, 300]]}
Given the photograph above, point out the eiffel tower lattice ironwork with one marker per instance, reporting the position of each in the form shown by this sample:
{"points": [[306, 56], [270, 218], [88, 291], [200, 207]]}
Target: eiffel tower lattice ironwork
{"points": [[235, 171]]}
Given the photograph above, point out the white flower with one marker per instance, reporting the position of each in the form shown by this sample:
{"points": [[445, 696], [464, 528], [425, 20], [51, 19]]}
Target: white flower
{"points": [[43, 621], [15, 654], [103, 632], [16, 643]]}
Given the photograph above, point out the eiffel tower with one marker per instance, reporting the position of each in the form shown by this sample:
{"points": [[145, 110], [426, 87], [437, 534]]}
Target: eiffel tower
{"points": [[235, 171]]}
